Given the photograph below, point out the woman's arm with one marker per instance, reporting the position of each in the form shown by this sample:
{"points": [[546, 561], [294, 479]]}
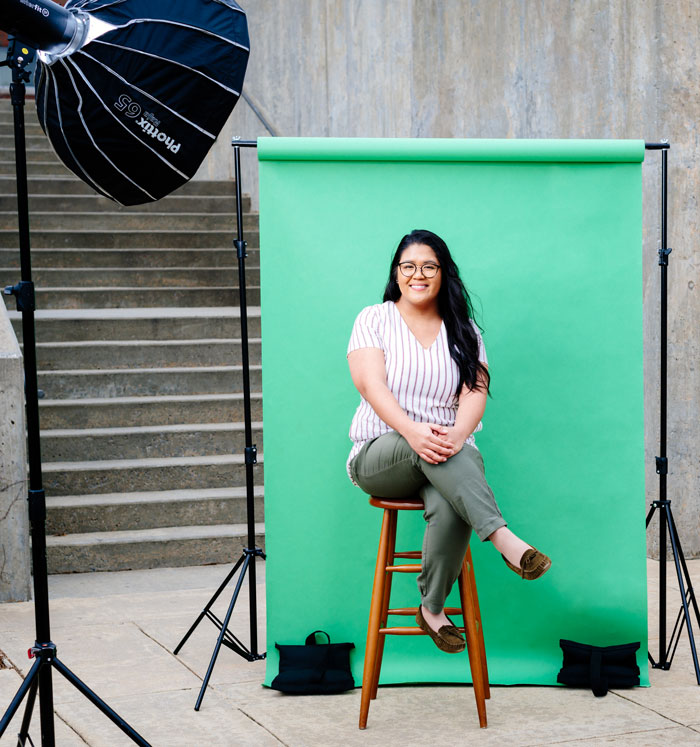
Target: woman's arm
{"points": [[470, 410], [369, 376]]}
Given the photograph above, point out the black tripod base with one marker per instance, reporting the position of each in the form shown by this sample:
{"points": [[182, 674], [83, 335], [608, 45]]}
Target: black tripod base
{"points": [[46, 660], [226, 638], [666, 653]]}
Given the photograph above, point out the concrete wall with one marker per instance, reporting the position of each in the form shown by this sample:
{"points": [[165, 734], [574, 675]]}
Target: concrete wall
{"points": [[517, 69], [15, 579]]}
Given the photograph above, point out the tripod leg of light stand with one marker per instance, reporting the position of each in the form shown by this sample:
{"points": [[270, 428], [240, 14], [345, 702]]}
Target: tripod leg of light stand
{"points": [[686, 572], [28, 683], [663, 529], [97, 701], [662, 620], [205, 611], [663, 651], [222, 633], [682, 570], [27, 719]]}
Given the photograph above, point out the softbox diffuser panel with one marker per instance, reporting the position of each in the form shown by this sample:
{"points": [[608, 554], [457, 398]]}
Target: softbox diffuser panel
{"points": [[135, 111], [548, 238]]}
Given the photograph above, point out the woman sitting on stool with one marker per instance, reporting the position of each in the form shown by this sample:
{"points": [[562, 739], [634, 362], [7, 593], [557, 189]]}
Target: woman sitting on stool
{"points": [[419, 363]]}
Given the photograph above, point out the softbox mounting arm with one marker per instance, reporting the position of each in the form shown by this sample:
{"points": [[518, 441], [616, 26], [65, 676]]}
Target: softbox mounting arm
{"points": [[44, 25]]}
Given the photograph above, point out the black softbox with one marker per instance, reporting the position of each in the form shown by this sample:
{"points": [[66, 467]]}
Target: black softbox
{"points": [[135, 109]]}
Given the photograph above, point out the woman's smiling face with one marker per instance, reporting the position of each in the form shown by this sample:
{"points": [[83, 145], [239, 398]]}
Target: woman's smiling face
{"points": [[418, 289]]}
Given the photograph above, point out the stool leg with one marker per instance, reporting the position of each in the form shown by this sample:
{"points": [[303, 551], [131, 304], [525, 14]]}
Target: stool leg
{"points": [[385, 602], [477, 614], [374, 615], [473, 647]]}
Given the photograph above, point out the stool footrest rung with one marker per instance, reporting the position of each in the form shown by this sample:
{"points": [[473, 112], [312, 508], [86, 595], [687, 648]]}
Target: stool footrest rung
{"points": [[414, 610], [409, 554], [398, 630], [401, 631], [410, 568]]}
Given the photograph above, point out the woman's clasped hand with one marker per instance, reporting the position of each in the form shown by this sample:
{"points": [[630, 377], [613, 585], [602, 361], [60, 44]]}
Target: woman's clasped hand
{"points": [[433, 443]]}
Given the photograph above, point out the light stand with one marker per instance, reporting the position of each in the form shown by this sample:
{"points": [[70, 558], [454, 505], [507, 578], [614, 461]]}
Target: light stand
{"points": [[663, 504], [43, 651], [246, 562]]}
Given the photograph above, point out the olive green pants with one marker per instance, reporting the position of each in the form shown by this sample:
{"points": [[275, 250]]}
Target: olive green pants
{"points": [[456, 496]]}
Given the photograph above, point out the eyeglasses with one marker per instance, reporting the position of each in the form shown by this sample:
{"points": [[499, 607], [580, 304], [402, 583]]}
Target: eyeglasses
{"points": [[409, 269]]}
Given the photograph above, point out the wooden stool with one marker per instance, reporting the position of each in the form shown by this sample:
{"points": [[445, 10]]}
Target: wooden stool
{"points": [[379, 609]]}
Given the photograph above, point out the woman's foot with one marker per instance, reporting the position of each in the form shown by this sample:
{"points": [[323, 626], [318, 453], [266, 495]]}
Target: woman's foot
{"points": [[533, 564], [440, 628], [520, 557]]}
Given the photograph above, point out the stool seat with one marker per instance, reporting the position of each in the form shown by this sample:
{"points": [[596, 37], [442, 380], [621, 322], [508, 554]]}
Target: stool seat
{"points": [[379, 609], [399, 504]]}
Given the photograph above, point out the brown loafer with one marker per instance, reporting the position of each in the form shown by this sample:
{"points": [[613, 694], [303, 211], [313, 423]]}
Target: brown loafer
{"points": [[533, 564], [447, 639]]}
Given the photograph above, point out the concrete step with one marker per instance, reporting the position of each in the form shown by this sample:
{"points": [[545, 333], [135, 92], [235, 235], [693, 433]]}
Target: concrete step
{"points": [[103, 220], [36, 151], [129, 258], [36, 168], [33, 136], [131, 298], [94, 412], [146, 382], [137, 442], [116, 239], [81, 325], [85, 203], [96, 354], [69, 184], [109, 512], [52, 185], [143, 277], [31, 118], [149, 548], [164, 473], [32, 130]]}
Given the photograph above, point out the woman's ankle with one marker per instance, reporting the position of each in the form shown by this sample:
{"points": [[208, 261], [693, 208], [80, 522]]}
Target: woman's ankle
{"points": [[509, 545]]}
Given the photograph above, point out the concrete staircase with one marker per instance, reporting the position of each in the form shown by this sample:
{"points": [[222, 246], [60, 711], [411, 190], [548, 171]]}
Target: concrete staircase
{"points": [[140, 360]]}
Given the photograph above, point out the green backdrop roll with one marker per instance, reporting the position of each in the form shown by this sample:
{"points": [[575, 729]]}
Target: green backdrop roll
{"points": [[547, 235]]}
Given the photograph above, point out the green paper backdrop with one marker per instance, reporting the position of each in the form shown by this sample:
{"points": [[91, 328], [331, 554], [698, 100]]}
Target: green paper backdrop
{"points": [[547, 235]]}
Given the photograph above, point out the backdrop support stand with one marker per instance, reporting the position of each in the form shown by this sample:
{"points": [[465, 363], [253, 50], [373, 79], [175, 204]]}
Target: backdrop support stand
{"points": [[667, 525], [43, 651], [246, 563]]}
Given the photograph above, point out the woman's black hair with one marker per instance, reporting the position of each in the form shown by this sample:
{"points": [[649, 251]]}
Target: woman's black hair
{"points": [[455, 308]]}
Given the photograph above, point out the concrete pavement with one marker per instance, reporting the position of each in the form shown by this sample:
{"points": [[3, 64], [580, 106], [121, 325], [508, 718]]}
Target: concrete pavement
{"points": [[116, 631]]}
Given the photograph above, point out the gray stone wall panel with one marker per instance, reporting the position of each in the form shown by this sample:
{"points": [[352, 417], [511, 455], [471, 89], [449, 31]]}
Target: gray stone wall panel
{"points": [[516, 69], [15, 580]]}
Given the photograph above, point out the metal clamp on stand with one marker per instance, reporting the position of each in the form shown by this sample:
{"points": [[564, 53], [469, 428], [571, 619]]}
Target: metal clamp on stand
{"points": [[663, 256], [24, 294]]}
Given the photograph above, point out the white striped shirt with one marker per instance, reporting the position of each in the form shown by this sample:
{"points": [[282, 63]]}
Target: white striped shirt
{"points": [[423, 380]]}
